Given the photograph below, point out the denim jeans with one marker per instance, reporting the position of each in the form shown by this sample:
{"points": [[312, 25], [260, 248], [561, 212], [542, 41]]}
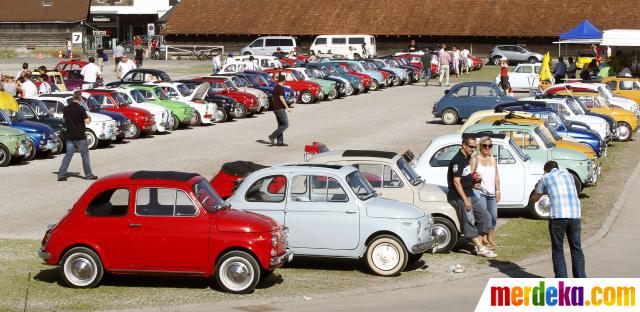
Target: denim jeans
{"points": [[557, 230], [283, 124], [427, 75], [83, 147], [489, 204], [472, 222]]}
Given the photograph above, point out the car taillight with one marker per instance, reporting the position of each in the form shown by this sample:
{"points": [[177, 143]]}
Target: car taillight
{"points": [[47, 235]]}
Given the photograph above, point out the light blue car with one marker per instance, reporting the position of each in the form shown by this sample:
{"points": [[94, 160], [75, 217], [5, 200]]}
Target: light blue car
{"points": [[332, 211], [355, 66]]}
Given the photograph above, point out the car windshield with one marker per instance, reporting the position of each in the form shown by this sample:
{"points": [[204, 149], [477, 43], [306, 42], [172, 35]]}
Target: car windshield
{"points": [[330, 70], [298, 75], [360, 185], [379, 63], [160, 93], [355, 67], [15, 116], [229, 84], [576, 106], [551, 132], [518, 150], [544, 136], [26, 112], [207, 196], [408, 172], [39, 107], [268, 78], [257, 80], [312, 73], [184, 90], [122, 99], [341, 69], [605, 92], [238, 82], [137, 96], [92, 102]]}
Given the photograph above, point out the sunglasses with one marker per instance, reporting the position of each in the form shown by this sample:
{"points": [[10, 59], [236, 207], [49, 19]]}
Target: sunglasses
{"points": [[487, 145], [472, 146]]}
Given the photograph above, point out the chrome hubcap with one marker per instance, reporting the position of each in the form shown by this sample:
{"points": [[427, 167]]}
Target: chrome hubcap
{"points": [[90, 140], [306, 97], [133, 129], [442, 235], [219, 115], [3, 156], [385, 256], [448, 118], [80, 269], [623, 132], [236, 273], [543, 212]]}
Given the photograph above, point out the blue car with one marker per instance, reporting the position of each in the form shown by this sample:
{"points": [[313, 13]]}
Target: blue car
{"points": [[331, 70], [466, 98], [258, 78], [558, 125], [122, 122], [42, 138]]}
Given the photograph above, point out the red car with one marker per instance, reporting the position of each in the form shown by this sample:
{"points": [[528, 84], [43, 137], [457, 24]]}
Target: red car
{"points": [[307, 92], [220, 86], [162, 222], [70, 67], [366, 79], [143, 122]]}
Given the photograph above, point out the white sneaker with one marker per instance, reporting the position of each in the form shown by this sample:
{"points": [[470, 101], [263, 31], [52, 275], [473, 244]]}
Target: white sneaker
{"points": [[485, 252]]}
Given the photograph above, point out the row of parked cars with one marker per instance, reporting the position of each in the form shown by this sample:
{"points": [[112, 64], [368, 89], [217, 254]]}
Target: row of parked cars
{"points": [[146, 101]]}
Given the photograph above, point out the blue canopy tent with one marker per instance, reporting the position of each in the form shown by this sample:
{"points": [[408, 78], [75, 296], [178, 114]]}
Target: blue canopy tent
{"points": [[584, 33]]}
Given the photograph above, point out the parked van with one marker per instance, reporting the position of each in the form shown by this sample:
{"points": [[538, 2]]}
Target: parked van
{"points": [[347, 45], [268, 44]]}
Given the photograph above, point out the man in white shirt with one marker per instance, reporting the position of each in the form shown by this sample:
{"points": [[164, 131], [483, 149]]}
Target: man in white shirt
{"points": [[216, 63], [45, 87], [29, 88], [124, 67], [230, 60], [118, 53], [90, 73], [252, 64]]}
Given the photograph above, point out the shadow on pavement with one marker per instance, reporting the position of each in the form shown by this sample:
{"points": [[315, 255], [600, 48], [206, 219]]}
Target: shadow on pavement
{"points": [[511, 269]]}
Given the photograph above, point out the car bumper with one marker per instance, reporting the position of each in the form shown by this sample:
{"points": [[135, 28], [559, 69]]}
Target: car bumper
{"points": [[280, 260], [44, 255], [422, 247]]}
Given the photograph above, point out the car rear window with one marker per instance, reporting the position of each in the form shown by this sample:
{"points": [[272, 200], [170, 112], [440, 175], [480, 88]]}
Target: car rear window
{"points": [[109, 203]]}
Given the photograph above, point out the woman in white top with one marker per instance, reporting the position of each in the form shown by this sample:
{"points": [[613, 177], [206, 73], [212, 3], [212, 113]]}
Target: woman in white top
{"points": [[456, 61], [45, 87], [489, 193]]}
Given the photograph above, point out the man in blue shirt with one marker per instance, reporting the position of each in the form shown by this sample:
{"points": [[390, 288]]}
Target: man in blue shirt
{"points": [[560, 70], [564, 218]]}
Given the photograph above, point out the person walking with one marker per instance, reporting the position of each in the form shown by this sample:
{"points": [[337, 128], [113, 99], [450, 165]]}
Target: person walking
{"points": [[485, 164], [425, 60], [504, 75], [560, 70], [68, 46], [564, 217], [118, 53], [462, 197], [124, 67], [571, 71], [216, 63], [444, 58], [154, 49], [75, 120], [90, 74], [139, 56], [101, 57], [456, 61], [465, 60], [280, 109]]}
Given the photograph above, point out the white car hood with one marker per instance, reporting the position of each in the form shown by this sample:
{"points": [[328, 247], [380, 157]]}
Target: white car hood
{"points": [[200, 92], [625, 103], [152, 108], [99, 117], [432, 193]]}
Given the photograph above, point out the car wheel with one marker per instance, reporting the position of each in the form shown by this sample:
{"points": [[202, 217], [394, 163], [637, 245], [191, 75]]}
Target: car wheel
{"points": [[450, 116], [348, 90], [133, 132], [176, 122], [120, 138], [59, 148], [624, 131], [577, 182], [496, 60], [240, 111], [386, 256], [375, 85], [220, 115], [32, 154], [247, 53], [396, 81], [92, 139], [196, 119], [333, 94], [536, 211], [81, 268], [237, 272], [445, 234], [5, 156], [306, 97], [533, 60]]}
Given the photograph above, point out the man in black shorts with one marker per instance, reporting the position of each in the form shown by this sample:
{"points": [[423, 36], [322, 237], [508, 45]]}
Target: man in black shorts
{"points": [[279, 107], [460, 196]]}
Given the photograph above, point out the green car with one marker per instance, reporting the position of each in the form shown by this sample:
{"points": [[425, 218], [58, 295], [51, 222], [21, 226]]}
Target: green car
{"points": [[328, 87], [181, 112], [537, 145], [13, 144]]}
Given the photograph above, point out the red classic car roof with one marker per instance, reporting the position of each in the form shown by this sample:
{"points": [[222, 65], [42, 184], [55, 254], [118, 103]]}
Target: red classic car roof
{"points": [[147, 177]]}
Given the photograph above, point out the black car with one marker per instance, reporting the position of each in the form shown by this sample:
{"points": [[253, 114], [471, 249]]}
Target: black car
{"points": [[140, 76]]}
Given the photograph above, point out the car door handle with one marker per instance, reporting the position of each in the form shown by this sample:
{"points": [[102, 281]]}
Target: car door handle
{"points": [[132, 225], [350, 212]]}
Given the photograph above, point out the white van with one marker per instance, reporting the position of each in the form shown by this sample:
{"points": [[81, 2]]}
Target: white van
{"points": [[268, 44], [347, 45]]}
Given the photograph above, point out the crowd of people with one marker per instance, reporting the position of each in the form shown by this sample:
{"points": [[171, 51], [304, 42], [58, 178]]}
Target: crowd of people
{"points": [[21, 85], [457, 62]]}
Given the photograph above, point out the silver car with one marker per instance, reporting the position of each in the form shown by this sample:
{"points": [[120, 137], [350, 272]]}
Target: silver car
{"points": [[332, 211], [513, 53]]}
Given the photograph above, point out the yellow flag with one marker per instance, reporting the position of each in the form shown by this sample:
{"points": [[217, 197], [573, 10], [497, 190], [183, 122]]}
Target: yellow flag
{"points": [[545, 71]]}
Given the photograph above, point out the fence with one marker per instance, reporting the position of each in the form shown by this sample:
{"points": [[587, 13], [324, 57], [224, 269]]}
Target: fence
{"points": [[195, 52]]}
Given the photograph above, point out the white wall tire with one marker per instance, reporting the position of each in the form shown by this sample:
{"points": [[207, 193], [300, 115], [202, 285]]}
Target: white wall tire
{"points": [[624, 131], [306, 97], [220, 115], [375, 85], [92, 139], [386, 256], [450, 116], [81, 268], [237, 272], [133, 132]]}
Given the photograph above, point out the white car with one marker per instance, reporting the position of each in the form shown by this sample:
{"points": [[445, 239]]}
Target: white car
{"points": [[518, 172], [614, 100], [243, 86], [347, 45], [163, 118], [267, 45], [102, 128], [204, 113], [524, 77], [569, 109], [264, 61]]}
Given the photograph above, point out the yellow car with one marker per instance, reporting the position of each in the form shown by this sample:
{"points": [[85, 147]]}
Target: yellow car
{"points": [[475, 117], [555, 139], [627, 122], [624, 86]]}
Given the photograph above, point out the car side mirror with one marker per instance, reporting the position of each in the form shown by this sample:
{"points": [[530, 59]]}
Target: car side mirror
{"points": [[446, 91]]}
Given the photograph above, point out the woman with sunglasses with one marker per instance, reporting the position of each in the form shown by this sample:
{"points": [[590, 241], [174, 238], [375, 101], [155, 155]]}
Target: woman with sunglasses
{"points": [[489, 192]]}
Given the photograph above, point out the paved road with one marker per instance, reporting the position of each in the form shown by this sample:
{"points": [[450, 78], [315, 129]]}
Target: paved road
{"points": [[615, 255], [393, 119]]}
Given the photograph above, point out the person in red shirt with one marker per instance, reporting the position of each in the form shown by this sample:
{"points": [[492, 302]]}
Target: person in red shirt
{"points": [[154, 49], [137, 42], [504, 76]]}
